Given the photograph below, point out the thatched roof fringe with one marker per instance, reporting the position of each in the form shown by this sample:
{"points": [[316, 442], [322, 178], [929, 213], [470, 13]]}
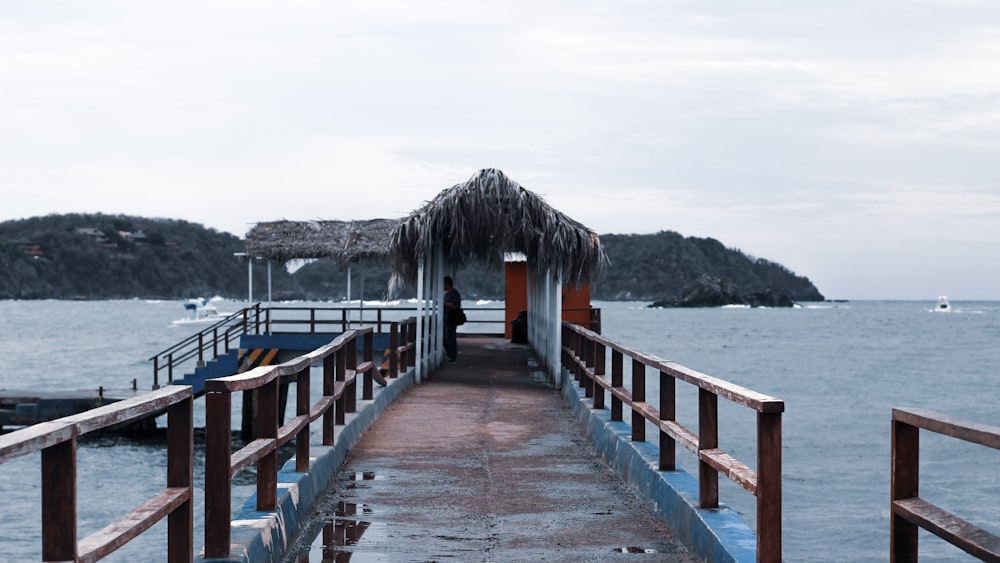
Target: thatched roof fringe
{"points": [[488, 216], [342, 241]]}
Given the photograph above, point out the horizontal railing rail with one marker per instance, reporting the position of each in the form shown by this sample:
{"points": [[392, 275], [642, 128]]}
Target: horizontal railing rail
{"points": [[585, 356], [909, 511], [57, 442], [341, 371]]}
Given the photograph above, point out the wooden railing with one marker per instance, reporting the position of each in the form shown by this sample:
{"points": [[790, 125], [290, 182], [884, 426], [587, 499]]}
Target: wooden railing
{"points": [[585, 356], [57, 441], [341, 370], [909, 511]]}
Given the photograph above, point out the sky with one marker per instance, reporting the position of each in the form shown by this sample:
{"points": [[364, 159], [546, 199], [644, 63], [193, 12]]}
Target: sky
{"points": [[856, 142]]}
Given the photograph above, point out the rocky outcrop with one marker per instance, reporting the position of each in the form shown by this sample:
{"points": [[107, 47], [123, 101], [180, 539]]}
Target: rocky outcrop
{"points": [[707, 291]]}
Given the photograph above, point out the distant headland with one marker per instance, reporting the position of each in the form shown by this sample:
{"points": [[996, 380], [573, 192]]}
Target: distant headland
{"points": [[97, 256]]}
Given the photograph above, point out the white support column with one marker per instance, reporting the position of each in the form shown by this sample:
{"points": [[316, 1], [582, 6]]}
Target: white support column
{"points": [[420, 322], [268, 284], [439, 312], [348, 297], [249, 280], [556, 354]]}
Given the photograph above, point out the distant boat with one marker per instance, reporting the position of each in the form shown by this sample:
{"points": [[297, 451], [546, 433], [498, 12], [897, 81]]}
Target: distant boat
{"points": [[943, 305], [200, 313]]}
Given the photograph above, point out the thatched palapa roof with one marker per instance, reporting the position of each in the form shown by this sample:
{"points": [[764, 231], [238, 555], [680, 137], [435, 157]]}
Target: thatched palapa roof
{"points": [[488, 216], [343, 241], [481, 219]]}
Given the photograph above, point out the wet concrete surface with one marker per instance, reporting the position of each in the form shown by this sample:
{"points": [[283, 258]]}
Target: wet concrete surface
{"points": [[481, 463]]}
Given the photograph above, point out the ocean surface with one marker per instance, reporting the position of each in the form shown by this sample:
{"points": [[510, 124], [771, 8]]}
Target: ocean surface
{"points": [[839, 367]]}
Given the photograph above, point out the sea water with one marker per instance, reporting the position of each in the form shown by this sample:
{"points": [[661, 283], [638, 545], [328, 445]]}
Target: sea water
{"points": [[839, 367]]}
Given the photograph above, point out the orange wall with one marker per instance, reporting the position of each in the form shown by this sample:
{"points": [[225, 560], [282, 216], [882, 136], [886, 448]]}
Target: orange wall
{"points": [[575, 302], [515, 293]]}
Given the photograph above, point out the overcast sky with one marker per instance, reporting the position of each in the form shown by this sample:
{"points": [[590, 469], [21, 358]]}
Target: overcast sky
{"points": [[855, 142]]}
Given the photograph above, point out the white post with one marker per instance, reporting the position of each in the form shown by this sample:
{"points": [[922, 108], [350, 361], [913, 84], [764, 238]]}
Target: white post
{"points": [[268, 284], [440, 312], [557, 330], [420, 321], [348, 297], [249, 280]]}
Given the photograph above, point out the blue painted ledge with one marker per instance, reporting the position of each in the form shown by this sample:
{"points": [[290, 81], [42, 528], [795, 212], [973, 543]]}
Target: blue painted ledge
{"points": [[265, 536], [714, 535]]}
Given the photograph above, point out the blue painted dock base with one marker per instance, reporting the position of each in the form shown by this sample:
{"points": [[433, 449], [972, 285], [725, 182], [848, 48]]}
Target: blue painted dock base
{"points": [[715, 535], [265, 536]]}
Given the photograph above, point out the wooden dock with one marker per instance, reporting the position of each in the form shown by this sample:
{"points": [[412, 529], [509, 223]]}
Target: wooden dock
{"points": [[482, 463]]}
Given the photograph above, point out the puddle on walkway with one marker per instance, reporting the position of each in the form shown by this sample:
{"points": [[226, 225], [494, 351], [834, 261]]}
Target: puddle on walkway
{"points": [[341, 532], [634, 550]]}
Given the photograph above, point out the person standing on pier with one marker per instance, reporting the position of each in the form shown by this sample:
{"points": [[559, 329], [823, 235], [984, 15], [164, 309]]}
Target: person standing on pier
{"points": [[452, 308]]}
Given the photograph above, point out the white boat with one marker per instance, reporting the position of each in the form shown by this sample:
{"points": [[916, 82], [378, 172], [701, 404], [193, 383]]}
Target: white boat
{"points": [[201, 312], [943, 305]]}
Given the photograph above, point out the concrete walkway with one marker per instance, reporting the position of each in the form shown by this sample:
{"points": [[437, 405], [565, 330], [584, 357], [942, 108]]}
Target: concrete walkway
{"points": [[483, 462]]}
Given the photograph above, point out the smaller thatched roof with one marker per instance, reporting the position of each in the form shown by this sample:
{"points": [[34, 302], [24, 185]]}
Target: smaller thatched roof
{"points": [[491, 215], [342, 241]]}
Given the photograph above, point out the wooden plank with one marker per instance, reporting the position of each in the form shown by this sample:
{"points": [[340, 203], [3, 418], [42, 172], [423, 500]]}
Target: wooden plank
{"points": [[123, 530], [35, 438], [982, 434], [246, 381], [250, 453], [321, 407], [731, 467], [682, 435], [130, 409], [956, 531], [289, 429]]}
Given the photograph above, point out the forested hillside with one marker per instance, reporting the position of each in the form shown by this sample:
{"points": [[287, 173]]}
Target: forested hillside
{"points": [[96, 256], [662, 265]]}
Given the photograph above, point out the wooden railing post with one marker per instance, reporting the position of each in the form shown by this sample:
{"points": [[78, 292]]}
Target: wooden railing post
{"points": [[411, 342], [180, 473], [368, 340], [638, 396], [617, 380], [668, 411], [708, 438], [769, 487], [599, 359], [905, 484], [329, 380], [302, 409], [341, 373], [394, 349], [267, 428], [59, 501], [351, 393], [218, 485], [156, 372]]}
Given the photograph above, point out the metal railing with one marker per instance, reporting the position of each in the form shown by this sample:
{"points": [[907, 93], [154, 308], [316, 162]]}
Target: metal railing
{"points": [[206, 344], [57, 441], [585, 356], [206, 341], [341, 371], [909, 511]]}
